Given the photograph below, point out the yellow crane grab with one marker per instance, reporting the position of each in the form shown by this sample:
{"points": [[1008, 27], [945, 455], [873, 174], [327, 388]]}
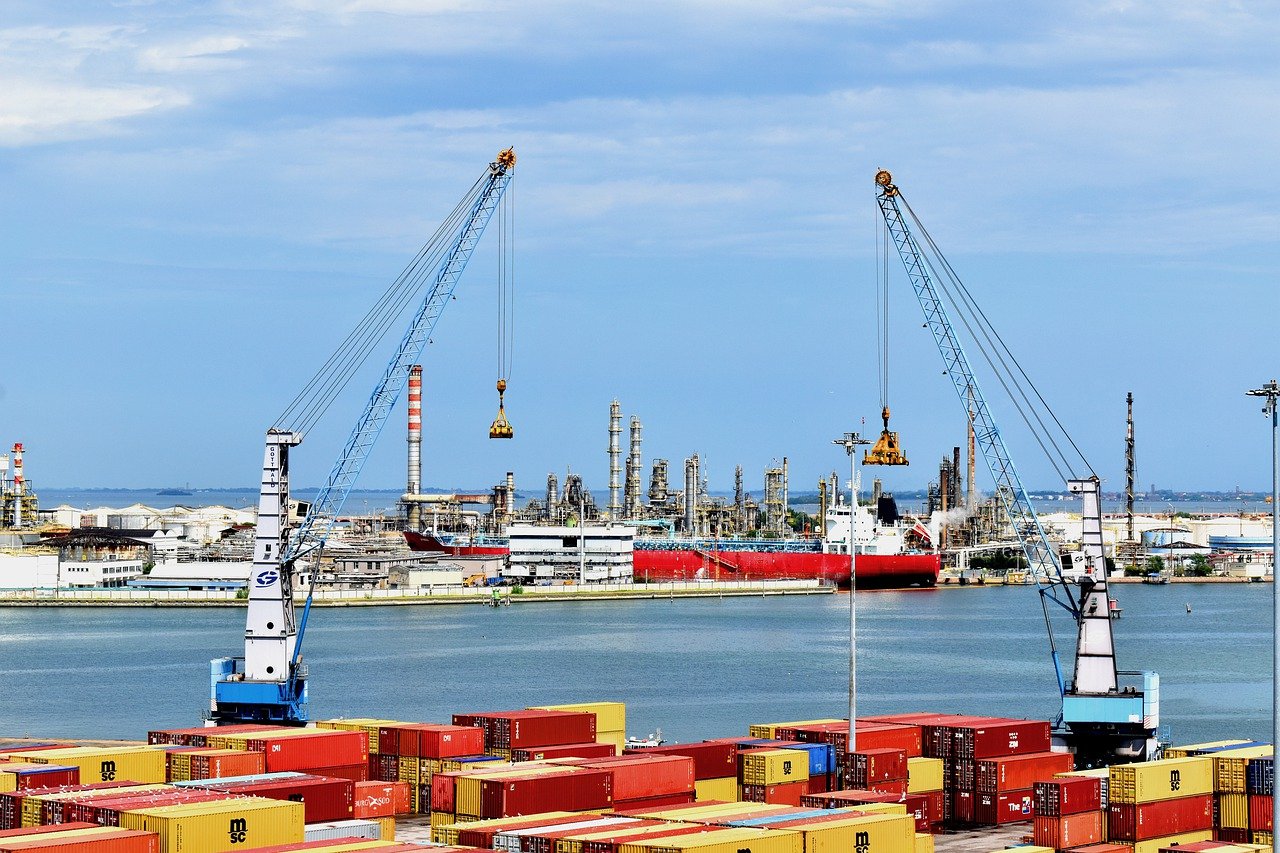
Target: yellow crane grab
{"points": [[886, 450]]}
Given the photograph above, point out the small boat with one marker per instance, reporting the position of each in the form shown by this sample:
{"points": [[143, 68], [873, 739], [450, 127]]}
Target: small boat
{"points": [[654, 739]]}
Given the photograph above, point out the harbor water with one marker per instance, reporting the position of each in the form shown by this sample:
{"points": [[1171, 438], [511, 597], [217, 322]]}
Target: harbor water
{"points": [[695, 668]]}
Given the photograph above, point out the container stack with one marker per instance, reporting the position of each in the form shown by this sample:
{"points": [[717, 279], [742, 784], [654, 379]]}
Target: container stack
{"points": [[1159, 804], [643, 781], [1243, 781], [611, 721], [1069, 812], [531, 728], [715, 766]]}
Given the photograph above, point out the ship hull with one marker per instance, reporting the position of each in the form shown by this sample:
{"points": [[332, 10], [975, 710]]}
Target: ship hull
{"points": [[875, 571]]}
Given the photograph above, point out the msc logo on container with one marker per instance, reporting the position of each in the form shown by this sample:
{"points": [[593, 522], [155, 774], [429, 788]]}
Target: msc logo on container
{"points": [[108, 771], [862, 842], [238, 830], [786, 768], [1175, 780], [266, 578]]}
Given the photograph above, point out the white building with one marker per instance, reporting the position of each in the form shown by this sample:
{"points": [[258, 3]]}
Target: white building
{"points": [[590, 554], [29, 569], [99, 573]]}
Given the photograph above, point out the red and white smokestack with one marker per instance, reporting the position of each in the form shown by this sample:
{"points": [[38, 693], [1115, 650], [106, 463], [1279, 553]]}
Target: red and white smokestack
{"points": [[414, 486], [19, 484]]}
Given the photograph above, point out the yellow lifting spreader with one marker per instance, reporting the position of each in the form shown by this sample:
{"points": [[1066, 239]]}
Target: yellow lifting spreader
{"points": [[501, 426], [886, 450]]}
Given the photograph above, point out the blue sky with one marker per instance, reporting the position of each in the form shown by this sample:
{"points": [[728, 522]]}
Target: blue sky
{"points": [[201, 199]]}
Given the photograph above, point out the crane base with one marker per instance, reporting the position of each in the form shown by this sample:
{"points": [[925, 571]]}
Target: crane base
{"points": [[235, 700]]}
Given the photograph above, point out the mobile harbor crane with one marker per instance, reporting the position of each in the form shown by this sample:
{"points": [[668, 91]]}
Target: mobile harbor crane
{"points": [[269, 684], [1104, 721]]}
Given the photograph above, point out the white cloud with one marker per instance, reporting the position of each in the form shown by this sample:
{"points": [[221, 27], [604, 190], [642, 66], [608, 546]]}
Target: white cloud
{"points": [[202, 54], [33, 112]]}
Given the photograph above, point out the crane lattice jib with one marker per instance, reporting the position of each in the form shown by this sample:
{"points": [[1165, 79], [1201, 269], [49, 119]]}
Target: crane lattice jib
{"points": [[1041, 559], [314, 529]]}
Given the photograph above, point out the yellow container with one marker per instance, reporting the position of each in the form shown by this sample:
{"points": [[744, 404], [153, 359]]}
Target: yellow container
{"points": [[725, 789], [107, 764], [386, 828], [610, 716], [924, 775], [774, 766], [1184, 751], [618, 740], [179, 767], [409, 769], [924, 843], [887, 833], [218, 826], [1233, 811], [721, 841], [1160, 780], [445, 819], [1154, 845], [770, 730], [33, 806], [1229, 767], [368, 725]]}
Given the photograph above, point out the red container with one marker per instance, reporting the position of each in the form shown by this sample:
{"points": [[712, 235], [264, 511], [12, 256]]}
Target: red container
{"points": [[996, 809], [199, 736], [1228, 836], [787, 793], [897, 787], [531, 727], [38, 830], [934, 807], [443, 786], [512, 796], [117, 841], [646, 776], [46, 776], [441, 741], [1061, 797], [105, 811], [1000, 738], [941, 737], [1260, 806], [1061, 832], [666, 801], [963, 804], [379, 799], [350, 772], [867, 766], [849, 797], [1019, 772], [324, 798], [819, 784], [963, 773], [547, 840], [226, 763], [327, 748], [568, 750], [1128, 822], [387, 767], [712, 759], [389, 741], [11, 801]]}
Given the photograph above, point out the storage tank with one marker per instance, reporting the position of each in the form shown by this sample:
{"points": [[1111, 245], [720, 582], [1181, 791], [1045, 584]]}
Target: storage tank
{"points": [[1165, 535]]}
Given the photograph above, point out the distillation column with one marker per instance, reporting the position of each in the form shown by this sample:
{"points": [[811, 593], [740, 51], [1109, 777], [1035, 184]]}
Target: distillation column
{"points": [[615, 433]]}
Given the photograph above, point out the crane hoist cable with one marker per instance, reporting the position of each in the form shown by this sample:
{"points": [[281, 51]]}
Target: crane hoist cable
{"points": [[501, 427], [887, 450]]}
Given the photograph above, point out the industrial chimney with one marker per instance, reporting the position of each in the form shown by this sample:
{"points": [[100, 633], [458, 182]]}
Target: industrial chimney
{"points": [[414, 483], [615, 434]]}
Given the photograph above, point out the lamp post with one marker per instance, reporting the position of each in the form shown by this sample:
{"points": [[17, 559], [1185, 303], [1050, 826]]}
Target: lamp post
{"points": [[850, 441], [1271, 392]]}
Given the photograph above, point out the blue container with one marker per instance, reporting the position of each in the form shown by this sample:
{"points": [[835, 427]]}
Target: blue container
{"points": [[822, 758], [1260, 776], [779, 818]]}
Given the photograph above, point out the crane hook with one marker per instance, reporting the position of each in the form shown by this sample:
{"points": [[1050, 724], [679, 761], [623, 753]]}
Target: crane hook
{"points": [[501, 427]]}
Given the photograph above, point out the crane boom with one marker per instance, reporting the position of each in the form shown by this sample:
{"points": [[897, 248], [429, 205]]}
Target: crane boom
{"points": [[1106, 720], [270, 682]]}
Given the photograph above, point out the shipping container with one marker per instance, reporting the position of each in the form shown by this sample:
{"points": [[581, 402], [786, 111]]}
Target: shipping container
{"points": [[722, 841], [1158, 818], [37, 830], [342, 829], [610, 716], [507, 730], [785, 793], [870, 833], [110, 764], [218, 827], [1073, 830], [1231, 811], [1230, 767], [93, 840], [379, 799], [1067, 796], [868, 766], [569, 750], [924, 775], [1260, 812], [773, 767], [712, 759], [325, 798], [23, 776], [770, 731], [577, 791], [1260, 776], [1020, 772], [1154, 845], [1201, 748], [1169, 779], [995, 809], [723, 790], [317, 749]]}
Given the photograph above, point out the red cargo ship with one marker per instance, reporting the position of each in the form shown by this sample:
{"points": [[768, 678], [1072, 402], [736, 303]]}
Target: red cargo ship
{"points": [[882, 561]]}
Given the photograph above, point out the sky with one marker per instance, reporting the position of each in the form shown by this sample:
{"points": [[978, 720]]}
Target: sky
{"points": [[200, 200]]}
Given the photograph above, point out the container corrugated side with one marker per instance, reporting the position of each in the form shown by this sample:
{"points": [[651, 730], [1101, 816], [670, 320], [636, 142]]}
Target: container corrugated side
{"points": [[136, 764], [875, 833], [610, 716], [217, 827], [334, 830], [1154, 845], [722, 841], [924, 775], [1160, 780], [773, 766]]}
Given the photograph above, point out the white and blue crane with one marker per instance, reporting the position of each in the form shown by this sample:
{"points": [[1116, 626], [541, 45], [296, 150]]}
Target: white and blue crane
{"points": [[1104, 720], [269, 684]]}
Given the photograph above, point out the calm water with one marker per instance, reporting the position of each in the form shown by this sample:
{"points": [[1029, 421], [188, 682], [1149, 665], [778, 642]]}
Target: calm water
{"points": [[696, 668]]}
